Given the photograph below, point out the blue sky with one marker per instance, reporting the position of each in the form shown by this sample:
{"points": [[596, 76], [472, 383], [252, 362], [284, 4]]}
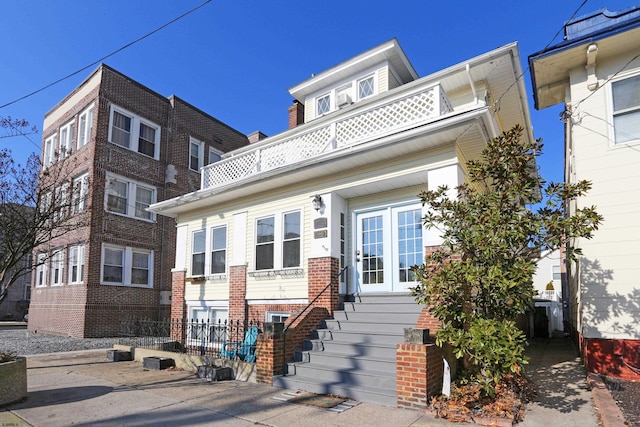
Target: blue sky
{"points": [[236, 59]]}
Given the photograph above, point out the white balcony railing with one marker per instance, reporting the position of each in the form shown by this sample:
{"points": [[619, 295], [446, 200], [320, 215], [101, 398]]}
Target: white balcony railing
{"points": [[551, 295], [415, 107]]}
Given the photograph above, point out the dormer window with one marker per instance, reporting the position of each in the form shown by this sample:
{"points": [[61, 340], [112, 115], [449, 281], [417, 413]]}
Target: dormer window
{"points": [[323, 105], [365, 87]]}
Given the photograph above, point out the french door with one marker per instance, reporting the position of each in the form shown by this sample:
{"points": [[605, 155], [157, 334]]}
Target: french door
{"points": [[389, 241]]}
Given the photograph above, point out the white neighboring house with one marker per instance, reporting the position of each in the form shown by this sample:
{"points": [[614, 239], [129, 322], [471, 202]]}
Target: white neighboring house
{"points": [[595, 72], [547, 281], [275, 221]]}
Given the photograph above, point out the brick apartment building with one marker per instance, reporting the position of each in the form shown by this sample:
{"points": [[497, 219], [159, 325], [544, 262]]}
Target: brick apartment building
{"points": [[124, 147]]}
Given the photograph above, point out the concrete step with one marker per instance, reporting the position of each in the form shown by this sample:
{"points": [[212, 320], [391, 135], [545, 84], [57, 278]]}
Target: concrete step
{"points": [[383, 298], [373, 317], [382, 307], [360, 347], [366, 327], [353, 336], [341, 361], [354, 376], [386, 397]]}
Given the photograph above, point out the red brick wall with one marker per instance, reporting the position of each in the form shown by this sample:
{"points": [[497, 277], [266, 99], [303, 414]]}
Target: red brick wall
{"points": [[323, 271], [271, 348], [178, 306], [607, 357], [419, 372], [238, 293]]}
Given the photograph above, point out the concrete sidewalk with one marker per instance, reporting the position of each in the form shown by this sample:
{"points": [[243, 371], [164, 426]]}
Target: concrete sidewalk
{"points": [[83, 388]]}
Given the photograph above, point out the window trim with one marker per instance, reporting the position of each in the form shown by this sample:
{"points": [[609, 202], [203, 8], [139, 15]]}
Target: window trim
{"points": [[84, 135], [216, 152], [212, 249], [80, 197], [200, 158], [278, 242], [131, 197], [127, 265], [373, 86], [613, 113], [134, 132], [41, 270], [203, 253], [67, 144], [269, 314], [79, 263], [50, 147], [57, 260], [317, 101]]}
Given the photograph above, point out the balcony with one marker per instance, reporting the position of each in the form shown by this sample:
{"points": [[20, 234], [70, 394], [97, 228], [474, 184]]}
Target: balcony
{"points": [[404, 108]]}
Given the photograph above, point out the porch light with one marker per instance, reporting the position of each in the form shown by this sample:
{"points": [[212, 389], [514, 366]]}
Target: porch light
{"points": [[317, 202]]}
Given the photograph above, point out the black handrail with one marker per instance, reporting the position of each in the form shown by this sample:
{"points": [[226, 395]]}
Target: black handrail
{"points": [[284, 331]]}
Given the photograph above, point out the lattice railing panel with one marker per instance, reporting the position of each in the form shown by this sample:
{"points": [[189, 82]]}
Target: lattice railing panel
{"points": [[416, 108], [295, 149], [229, 170]]}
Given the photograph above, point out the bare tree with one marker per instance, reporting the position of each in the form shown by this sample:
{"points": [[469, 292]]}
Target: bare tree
{"points": [[37, 205]]}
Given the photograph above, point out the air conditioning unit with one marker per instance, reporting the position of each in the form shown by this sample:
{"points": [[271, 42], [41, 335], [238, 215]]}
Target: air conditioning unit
{"points": [[344, 100], [165, 297]]}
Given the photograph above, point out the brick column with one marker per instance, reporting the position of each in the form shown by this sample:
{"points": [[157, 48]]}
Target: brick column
{"points": [[238, 293], [178, 307], [269, 350], [322, 271], [419, 373]]}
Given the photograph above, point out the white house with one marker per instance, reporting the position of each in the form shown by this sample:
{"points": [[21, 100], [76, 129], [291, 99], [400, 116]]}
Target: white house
{"points": [[595, 72], [274, 222]]}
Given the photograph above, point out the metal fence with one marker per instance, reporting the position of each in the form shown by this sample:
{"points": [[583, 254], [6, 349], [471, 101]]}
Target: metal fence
{"points": [[195, 337]]}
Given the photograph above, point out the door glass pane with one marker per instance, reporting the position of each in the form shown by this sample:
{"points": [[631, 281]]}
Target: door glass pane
{"points": [[372, 250], [409, 243]]}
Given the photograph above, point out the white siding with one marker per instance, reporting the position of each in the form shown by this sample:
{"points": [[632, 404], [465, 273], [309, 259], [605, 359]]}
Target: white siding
{"points": [[609, 269]]}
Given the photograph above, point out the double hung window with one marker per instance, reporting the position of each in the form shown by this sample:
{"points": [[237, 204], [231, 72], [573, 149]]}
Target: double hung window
{"points": [[80, 193], [85, 125], [57, 258], [626, 109], [127, 197], [219, 250], [265, 242], [127, 266], [75, 263], [50, 146], [41, 270], [134, 133], [67, 139], [278, 242], [198, 252], [196, 154]]}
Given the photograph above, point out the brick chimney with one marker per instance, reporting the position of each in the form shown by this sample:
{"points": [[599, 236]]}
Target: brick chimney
{"points": [[296, 114], [256, 136]]}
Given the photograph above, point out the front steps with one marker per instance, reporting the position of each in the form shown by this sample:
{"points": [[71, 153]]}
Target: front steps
{"points": [[354, 354]]}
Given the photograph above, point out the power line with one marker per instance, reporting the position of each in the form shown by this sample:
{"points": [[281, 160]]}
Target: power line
{"points": [[497, 103], [106, 56]]}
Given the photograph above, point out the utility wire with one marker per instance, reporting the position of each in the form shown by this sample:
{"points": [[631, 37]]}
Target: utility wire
{"points": [[106, 56], [497, 103]]}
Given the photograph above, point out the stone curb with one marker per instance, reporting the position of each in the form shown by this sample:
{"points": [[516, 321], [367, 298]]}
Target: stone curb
{"points": [[610, 414]]}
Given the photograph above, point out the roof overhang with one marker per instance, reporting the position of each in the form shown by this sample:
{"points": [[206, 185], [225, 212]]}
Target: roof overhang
{"points": [[389, 51], [470, 127], [614, 34]]}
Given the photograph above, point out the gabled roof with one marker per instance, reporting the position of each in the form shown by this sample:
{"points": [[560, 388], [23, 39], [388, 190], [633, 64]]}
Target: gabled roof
{"points": [[389, 51], [614, 33]]}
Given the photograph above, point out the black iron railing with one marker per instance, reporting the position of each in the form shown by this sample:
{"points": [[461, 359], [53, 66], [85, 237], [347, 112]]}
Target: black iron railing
{"points": [[190, 336]]}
